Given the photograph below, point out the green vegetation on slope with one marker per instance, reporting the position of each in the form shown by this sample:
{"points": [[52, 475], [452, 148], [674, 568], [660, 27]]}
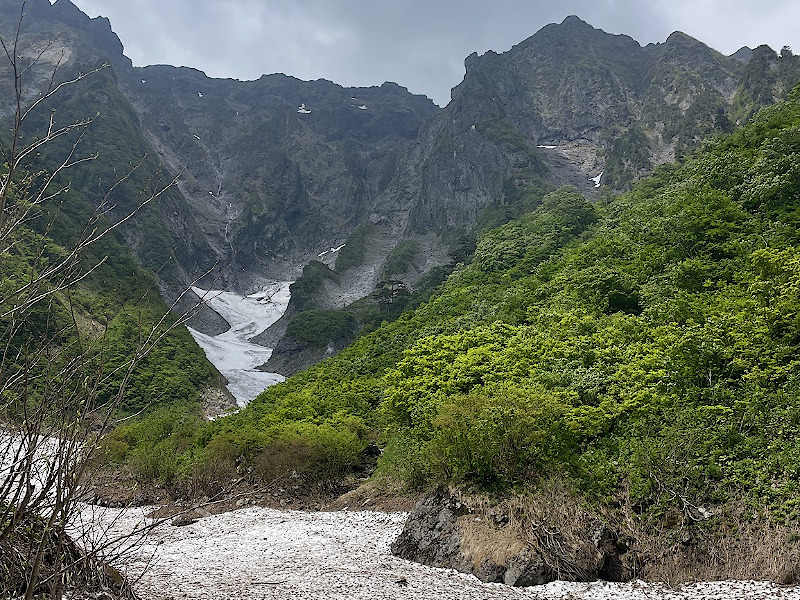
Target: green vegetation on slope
{"points": [[104, 307], [110, 313], [646, 350], [628, 158]]}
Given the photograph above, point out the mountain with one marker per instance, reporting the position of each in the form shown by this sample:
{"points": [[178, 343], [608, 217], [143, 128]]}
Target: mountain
{"points": [[624, 370], [274, 173], [570, 105], [620, 367], [278, 169], [580, 101]]}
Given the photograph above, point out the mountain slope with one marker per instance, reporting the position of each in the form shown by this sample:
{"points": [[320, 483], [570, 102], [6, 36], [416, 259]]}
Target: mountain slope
{"points": [[275, 173], [644, 351], [108, 297]]}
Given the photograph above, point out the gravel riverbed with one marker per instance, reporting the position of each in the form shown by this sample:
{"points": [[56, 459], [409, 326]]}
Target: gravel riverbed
{"points": [[259, 553]]}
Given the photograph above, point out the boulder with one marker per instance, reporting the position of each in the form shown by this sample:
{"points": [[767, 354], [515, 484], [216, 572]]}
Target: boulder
{"points": [[434, 535], [442, 530], [430, 535]]}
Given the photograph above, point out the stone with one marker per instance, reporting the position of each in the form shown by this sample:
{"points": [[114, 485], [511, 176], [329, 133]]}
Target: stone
{"points": [[489, 571], [430, 535], [526, 569]]}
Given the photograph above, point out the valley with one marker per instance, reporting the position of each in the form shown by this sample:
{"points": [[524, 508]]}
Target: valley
{"points": [[561, 310]]}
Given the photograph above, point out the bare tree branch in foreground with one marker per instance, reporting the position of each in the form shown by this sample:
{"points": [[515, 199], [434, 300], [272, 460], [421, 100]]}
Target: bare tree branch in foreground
{"points": [[58, 394]]}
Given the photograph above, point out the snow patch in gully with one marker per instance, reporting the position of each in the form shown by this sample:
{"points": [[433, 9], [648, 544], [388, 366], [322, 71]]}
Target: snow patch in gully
{"points": [[232, 352]]}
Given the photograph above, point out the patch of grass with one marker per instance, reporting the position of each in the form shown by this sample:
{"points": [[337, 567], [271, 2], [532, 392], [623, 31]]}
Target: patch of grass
{"points": [[354, 252]]}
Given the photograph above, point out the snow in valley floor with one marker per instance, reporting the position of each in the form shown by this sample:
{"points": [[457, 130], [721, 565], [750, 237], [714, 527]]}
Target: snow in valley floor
{"points": [[259, 553], [232, 352]]}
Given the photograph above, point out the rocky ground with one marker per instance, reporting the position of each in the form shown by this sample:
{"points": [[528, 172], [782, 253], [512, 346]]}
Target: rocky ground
{"points": [[264, 553]]}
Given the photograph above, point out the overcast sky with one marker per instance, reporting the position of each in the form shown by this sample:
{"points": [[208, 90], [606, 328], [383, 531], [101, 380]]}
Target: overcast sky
{"points": [[420, 44]]}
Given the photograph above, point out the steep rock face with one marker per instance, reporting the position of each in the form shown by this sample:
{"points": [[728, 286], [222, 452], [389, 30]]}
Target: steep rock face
{"points": [[272, 172], [63, 24], [571, 82], [461, 162], [278, 170], [571, 79], [570, 103]]}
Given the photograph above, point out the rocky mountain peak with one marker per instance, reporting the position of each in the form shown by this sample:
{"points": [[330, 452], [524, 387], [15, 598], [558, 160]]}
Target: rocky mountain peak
{"points": [[743, 54], [683, 42], [678, 37], [574, 33], [575, 22], [98, 28], [53, 20], [683, 51]]}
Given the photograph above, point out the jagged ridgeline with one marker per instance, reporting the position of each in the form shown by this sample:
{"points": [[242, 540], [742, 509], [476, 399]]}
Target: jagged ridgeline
{"points": [[276, 172]]}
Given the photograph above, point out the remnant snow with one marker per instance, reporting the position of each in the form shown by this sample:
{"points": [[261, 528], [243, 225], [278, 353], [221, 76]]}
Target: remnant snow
{"points": [[199, 94], [597, 179], [548, 147], [232, 352], [257, 553], [332, 249], [363, 107], [303, 110], [196, 136], [144, 81]]}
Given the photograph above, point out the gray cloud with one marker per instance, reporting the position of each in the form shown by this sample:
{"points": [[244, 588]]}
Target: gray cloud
{"points": [[418, 44]]}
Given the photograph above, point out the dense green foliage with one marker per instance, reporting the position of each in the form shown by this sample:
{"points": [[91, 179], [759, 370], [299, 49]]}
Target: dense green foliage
{"points": [[646, 349], [401, 259], [353, 253], [115, 314], [104, 308], [304, 291], [317, 327], [174, 370], [628, 158]]}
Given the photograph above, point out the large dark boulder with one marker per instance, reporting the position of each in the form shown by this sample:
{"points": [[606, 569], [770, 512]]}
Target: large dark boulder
{"points": [[437, 534], [443, 530], [431, 536]]}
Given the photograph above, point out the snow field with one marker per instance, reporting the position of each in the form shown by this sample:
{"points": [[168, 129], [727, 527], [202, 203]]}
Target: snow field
{"points": [[232, 352], [259, 553]]}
